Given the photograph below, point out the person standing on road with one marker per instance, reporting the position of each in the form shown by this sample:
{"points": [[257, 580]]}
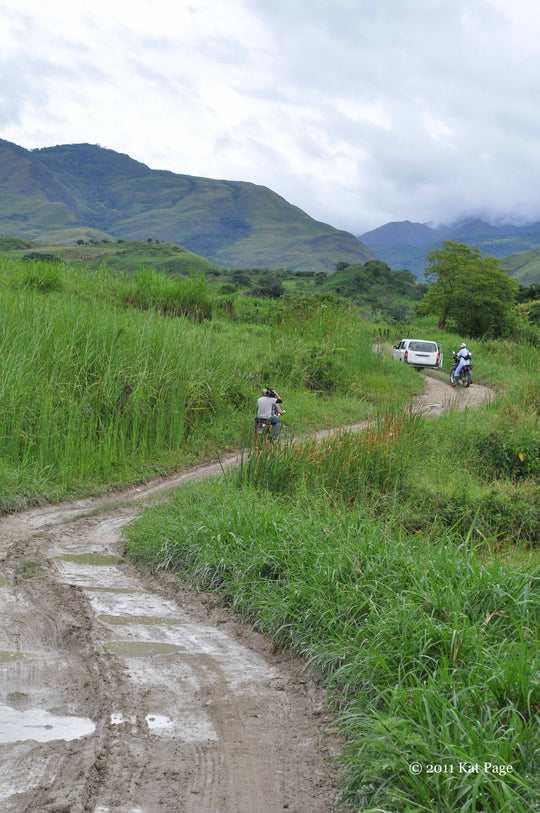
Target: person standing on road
{"points": [[268, 409]]}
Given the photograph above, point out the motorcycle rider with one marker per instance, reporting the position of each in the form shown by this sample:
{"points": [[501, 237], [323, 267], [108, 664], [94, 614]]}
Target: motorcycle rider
{"points": [[268, 409], [463, 357]]}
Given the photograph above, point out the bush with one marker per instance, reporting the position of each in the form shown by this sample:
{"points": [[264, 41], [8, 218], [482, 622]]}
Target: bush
{"points": [[508, 449]]}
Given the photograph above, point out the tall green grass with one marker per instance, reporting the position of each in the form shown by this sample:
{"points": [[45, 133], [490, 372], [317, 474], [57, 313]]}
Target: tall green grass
{"points": [[388, 560], [415, 471], [345, 468], [173, 296], [430, 654], [108, 380]]}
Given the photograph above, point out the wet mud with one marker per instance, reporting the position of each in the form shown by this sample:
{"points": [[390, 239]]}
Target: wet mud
{"points": [[122, 692]]}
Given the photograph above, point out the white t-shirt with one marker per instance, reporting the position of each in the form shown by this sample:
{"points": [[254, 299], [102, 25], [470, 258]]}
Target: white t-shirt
{"points": [[266, 407]]}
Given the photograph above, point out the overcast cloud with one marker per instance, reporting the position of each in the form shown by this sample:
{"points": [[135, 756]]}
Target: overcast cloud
{"points": [[358, 111]]}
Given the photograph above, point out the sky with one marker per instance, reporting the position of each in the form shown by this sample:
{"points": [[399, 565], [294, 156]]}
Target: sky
{"points": [[360, 112]]}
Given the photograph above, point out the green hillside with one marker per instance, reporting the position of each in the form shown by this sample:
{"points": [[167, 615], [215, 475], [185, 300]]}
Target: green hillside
{"points": [[372, 286], [375, 288], [62, 194], [524, 266], [123, 256]]}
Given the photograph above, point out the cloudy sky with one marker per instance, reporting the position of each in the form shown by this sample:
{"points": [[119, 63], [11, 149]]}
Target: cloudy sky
{"points": [[358, 111]]}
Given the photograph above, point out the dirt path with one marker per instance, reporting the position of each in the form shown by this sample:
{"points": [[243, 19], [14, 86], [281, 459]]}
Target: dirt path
{"points": [[122, 692]]}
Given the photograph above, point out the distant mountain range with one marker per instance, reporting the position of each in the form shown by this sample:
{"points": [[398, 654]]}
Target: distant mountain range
{"points": [[404, 245], [75, 192]]}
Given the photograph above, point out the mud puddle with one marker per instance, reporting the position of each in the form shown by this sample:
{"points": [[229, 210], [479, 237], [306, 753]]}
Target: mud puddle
{"points": [[123, 693], [41, 726]]}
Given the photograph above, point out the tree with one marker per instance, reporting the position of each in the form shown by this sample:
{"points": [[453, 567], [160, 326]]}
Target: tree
{"points": [[378, 269], [269, 286], [471, 290]]}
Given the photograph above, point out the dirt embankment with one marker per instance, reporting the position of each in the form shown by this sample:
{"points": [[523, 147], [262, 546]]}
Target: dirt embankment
{"points": [[122, 692]]}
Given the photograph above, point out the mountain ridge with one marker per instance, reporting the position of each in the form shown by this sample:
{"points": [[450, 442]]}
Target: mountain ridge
{"points": [[73, 191], [405, 244]]}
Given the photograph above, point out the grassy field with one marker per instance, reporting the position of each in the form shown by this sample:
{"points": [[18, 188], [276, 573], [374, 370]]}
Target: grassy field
{"points": [[111, 379], [120, 256], [402, 562], [373, 287]]}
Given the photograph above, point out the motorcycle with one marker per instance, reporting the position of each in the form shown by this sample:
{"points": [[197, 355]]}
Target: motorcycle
{"points": [[465, 376], [263, 428]]}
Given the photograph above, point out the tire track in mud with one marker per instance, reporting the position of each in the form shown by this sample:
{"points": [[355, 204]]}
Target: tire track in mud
{"points": [[121, 692], [127, 694]]}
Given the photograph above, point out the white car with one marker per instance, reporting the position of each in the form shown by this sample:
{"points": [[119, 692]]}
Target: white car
{"points": [[418, 353]]}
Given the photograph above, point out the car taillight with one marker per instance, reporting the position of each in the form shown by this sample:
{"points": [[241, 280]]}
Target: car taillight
{"points": [[438, 359], [406, 355]]}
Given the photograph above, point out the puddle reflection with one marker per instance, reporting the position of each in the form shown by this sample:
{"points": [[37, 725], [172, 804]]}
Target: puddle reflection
{"points": [[7, 657], [90, 558], [146, 620], [143, 649], [41, 726]]}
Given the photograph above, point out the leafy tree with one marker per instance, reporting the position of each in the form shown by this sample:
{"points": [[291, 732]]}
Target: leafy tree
{"points": [[377, 268], [532, 292], [269, 286], [471, 290], [241, 277]]}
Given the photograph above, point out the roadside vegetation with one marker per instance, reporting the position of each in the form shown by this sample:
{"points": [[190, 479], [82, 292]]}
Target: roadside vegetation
{"points": [[111, 379], [401, 562], [428, 646]]}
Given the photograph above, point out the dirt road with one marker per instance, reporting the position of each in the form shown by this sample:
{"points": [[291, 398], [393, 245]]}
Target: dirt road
{"points": [[122, 692]]}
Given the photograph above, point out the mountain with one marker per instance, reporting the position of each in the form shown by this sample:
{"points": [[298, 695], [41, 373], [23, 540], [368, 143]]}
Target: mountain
{"points": [[58, 195], [405, 244]]}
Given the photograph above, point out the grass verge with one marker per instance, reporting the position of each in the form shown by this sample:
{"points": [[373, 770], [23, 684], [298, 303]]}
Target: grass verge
{"points": [[427, 636], [430, 654]]}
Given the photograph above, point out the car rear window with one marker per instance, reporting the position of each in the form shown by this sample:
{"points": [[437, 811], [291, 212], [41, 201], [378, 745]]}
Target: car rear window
{"points": [[423, 347]]}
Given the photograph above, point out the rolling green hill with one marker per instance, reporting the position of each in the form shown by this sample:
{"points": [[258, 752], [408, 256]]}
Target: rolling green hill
{"points": [[59, 195], [524, 266], [124, 256], [372, 286]]}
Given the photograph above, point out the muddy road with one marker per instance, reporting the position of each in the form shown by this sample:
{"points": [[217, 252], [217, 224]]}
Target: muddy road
{"points": [[124, 692]]}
